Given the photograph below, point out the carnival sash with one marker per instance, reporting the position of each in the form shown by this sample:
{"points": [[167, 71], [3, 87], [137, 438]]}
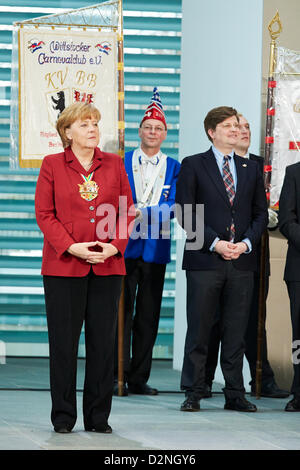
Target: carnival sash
{"points": [[152, 193]]}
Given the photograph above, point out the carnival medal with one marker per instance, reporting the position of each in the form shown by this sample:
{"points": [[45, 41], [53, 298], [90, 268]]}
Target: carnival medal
{"points": [[89, 189]]}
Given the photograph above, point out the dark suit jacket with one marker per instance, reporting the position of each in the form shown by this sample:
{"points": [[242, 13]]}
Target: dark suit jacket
{"points": [[200, 182], [289, 220], [260, 161]]}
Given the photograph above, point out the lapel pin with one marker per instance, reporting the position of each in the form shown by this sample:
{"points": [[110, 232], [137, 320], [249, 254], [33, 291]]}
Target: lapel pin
{"points": [[244, 165]]}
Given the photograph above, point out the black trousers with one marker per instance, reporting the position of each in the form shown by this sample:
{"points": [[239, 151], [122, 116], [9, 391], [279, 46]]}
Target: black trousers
{"points": [[250, 339], [70, 301], [144, 284], [206, 290], [294, 295]]}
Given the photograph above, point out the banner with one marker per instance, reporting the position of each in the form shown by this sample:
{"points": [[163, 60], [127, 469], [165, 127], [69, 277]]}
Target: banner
{"points": [[56, 68], [286, 131], [74, 55]]}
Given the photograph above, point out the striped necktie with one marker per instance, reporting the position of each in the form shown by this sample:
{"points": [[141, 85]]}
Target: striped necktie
{"points": [[229, 186]]}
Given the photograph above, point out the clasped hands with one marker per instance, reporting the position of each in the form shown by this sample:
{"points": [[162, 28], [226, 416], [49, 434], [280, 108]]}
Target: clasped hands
{"points": [[230, 250], [81, 250]]}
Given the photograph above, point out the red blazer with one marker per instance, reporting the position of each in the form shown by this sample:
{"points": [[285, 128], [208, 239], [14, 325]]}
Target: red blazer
{"points": [[65, 217]]}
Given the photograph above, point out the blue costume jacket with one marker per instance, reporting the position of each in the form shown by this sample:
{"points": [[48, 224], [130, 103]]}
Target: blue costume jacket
{"points": [[153, 250]]}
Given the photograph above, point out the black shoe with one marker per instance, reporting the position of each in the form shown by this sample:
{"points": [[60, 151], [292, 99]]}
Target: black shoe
{"points": [[63, 428], [239, 404], [293, 405], [271, 390], [190, 404], [207, 392], [142, 389], [124, 391], [101, 428]]}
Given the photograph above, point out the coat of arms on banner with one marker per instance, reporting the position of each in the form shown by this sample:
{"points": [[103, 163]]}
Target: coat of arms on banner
{"points": [[104, 47], [83, 96], [56, 102], [35, 45]]}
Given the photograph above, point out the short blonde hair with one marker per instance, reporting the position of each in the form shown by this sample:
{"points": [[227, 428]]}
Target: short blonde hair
{"points": [[70, 114]]}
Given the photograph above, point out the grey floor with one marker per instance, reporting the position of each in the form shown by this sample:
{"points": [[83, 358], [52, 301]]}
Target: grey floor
{"points": [[138, 422]]}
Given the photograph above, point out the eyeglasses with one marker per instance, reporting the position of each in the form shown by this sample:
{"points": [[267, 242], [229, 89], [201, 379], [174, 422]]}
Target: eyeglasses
{"points": [[157, 129]]}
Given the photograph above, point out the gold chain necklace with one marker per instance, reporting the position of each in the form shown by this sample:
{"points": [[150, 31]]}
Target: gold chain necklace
{"points": [[88, 165]]}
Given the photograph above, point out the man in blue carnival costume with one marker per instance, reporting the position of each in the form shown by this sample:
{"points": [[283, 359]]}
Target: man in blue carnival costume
{"points": [[152, 177]]}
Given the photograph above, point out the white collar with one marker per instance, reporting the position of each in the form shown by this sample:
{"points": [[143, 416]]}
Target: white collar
{"points": [[143, 154], [247, 155]]}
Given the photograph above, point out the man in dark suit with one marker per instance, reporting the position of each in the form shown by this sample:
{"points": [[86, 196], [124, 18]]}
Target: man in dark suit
{"points": [[269, 387], [221, 272], [289, 225]]}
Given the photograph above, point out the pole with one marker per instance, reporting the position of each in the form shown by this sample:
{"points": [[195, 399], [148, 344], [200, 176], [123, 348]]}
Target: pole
{"points": [[121, 131], [269, 139]]}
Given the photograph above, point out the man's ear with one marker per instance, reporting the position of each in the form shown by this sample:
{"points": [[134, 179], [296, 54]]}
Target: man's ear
{"points": [[211, 133]]}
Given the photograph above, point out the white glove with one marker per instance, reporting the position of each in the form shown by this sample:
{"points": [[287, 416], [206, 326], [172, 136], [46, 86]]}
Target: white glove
{"points": [[273, 219]]}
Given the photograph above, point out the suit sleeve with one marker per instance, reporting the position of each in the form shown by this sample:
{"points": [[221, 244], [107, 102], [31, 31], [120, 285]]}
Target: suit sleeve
{"points": [[189, 215], [53, 230], [259, 211], [288, 221], [259, 161], [126, 213]]}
